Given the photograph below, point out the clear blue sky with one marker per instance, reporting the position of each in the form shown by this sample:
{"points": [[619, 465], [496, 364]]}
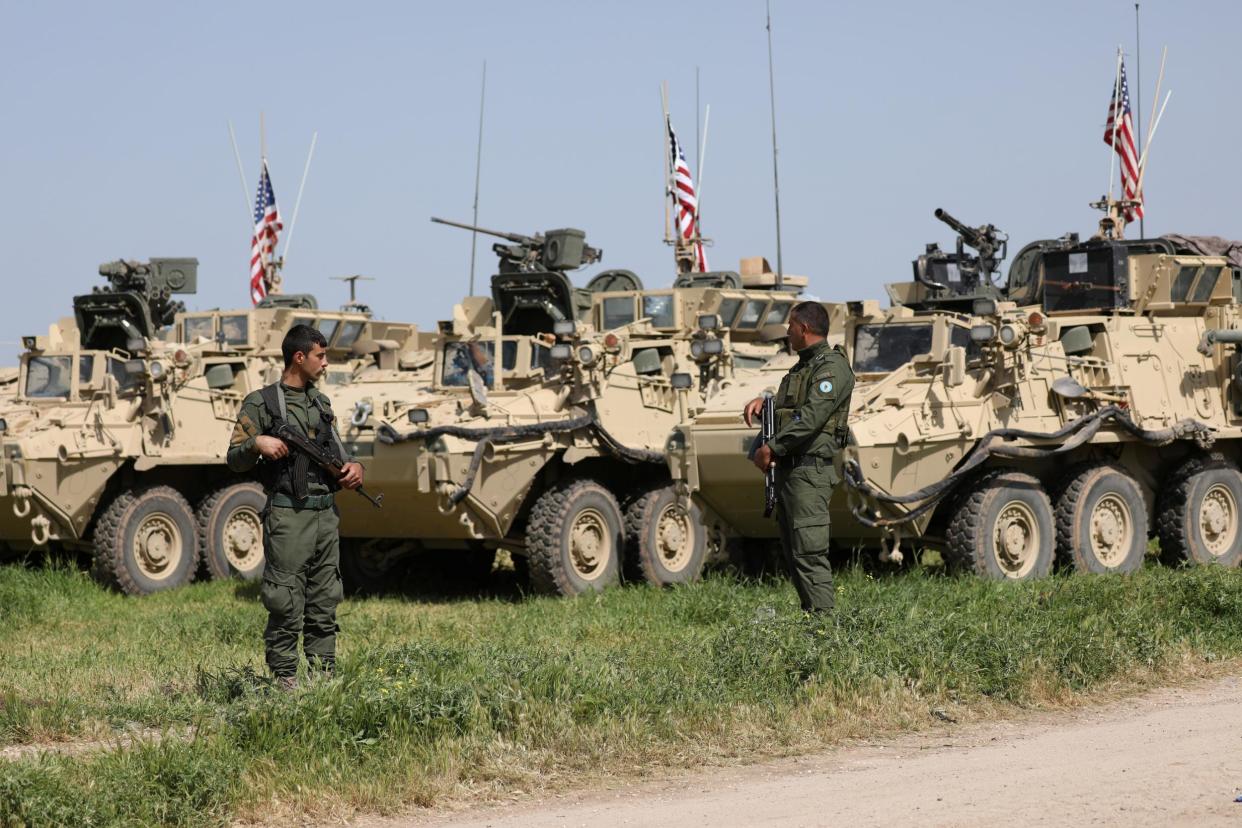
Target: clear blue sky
{"points": [[115, 140]]}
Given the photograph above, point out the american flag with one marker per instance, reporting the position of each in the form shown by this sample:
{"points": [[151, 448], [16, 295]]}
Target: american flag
{"points": [[267, 226], [1124, 144], [683, 196]]}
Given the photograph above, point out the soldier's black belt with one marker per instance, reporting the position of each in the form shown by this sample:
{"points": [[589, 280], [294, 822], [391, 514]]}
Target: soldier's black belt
{"points": [[320, 501]]}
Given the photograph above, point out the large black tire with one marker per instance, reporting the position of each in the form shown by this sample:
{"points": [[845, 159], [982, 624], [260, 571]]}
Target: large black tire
{"points": [[230, 532], [575, 539], [1199, 518], [1009, 507], [666, 543], [146, 541], [1101, 520]]}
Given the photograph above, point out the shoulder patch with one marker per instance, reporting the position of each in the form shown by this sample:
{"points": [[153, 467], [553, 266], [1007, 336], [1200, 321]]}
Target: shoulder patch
{"points": [[825, 387]]}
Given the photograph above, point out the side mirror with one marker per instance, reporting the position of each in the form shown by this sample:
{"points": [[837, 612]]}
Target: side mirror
{"points": [[682, 380], [565, 327], [955, 366], [708, 321]]}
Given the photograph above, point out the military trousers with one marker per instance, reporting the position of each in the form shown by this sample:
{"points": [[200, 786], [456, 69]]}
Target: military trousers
{"points": [[803, 492], [301, 586]]}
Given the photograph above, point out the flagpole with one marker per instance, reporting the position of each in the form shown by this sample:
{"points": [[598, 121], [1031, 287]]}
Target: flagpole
{"points": [[298, 204], [1112, 144], [1138, 101], [776, 184], [698, 186], [668, 162], [478, 168], [241, 172]]}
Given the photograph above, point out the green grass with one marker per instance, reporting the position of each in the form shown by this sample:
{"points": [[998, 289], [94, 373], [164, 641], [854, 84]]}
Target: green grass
{"points": [[456, 698]]}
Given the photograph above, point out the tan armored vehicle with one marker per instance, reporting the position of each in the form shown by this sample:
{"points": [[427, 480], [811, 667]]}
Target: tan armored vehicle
{"points": [[551, 408], [1089, 404], [127, 409]]}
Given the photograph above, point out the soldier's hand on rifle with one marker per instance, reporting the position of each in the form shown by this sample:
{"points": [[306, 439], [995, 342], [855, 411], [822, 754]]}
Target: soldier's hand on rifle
{"points": [[272, 448], [351, 476], [753, 409], [763, 456]]}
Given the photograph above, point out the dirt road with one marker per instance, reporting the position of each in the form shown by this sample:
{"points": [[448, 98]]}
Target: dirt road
{"points": [[1170, 757]]}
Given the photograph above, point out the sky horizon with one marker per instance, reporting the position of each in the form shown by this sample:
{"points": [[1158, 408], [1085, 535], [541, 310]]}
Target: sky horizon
{"points": [[118, 144]]}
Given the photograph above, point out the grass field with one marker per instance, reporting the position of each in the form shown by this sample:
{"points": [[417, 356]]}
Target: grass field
{"points": [[480, 697]]}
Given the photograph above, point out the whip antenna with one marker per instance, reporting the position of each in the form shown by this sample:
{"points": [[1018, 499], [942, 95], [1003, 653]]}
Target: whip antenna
{"points": [[776, 183]]}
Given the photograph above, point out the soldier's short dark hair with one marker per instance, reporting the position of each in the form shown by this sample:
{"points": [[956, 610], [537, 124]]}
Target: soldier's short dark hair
{"points": [[300, 338], [812, 315]]}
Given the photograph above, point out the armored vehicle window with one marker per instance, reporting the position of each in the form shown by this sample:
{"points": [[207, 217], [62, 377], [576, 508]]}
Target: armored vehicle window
{"points": [[1181, 283], [336, 377], [86, 369], [303, 320], [778, 314], [740, 361], [196, 326], [960, 337], [125, 381], [884, 348], [349, 334], [236, 329], [540, 357], [327, 327], [751, 314], [618, 311], [508, 355], [461, 357], [728, 310], [660, 310], [1206, 284], [48, 376]]}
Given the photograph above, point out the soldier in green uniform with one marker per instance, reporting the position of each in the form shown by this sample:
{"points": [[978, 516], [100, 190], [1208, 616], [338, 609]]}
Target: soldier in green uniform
{"points": [[301, 576], [811, 410]]}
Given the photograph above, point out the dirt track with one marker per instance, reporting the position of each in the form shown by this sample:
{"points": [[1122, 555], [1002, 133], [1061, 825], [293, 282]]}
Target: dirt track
{"points": [[1170, 757]]}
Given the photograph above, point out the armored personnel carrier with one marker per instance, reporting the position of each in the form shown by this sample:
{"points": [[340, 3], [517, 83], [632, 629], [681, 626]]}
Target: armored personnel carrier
{"points": [[545, 428], [1090, 402], [125, 414]]}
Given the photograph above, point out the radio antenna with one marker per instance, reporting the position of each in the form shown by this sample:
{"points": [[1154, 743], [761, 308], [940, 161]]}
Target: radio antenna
{"points": [[478, 168], [776, 183]]}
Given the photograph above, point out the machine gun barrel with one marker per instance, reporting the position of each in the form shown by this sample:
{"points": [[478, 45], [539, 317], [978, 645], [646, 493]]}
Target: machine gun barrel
{"points": [[516, 238], [970, 235], [767, 431], [297, 441]]}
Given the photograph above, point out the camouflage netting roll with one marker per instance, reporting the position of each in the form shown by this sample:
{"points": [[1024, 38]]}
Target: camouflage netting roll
{"points": [[1209, 246]]}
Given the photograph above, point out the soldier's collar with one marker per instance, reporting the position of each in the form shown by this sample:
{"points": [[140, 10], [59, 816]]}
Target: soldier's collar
{"points": [[811, 351]]}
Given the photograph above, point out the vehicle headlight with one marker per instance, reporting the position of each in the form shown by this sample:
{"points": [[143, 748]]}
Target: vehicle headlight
{"points": [[562, 351], [157, 370], [418, 415], [1011, 335], [586, 354], [982, 333], [696, 349]]}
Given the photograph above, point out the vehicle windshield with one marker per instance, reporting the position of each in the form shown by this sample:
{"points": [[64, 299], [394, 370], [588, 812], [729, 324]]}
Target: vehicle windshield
{"points": [[460, 358], [125, 380], [884, 348], [48, 376]]}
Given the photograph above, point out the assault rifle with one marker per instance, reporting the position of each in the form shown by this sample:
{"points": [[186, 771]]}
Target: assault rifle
{"points": [[296, 440], [767, 430]]}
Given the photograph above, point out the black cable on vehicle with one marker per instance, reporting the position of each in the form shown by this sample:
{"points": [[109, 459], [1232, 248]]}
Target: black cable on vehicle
{"points": [[1083, 429]]}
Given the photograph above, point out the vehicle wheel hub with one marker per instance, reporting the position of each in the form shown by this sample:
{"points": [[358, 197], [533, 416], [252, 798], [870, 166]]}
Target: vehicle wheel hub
{"points": [[676, 537], [1111, 530], [1218, 519], [589, 545], [243, 538], [157, 546], [1016, 539]]}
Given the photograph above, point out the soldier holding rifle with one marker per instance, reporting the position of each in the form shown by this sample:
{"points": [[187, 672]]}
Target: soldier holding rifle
{"points": [[811, 409], [301, 575]]}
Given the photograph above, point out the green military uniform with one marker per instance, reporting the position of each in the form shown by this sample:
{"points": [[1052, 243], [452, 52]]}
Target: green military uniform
{"points": [[301, 575], [811, 409]]}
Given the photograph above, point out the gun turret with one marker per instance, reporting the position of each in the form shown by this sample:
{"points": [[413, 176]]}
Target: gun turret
{"points": [[555, 250], [992, 246], [136, 302]]}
